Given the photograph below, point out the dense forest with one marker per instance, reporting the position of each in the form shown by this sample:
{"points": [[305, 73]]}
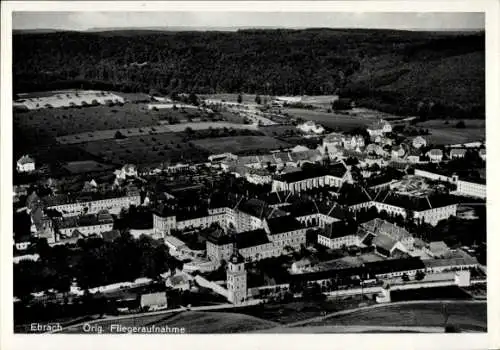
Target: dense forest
{"points": [[397, 71]]}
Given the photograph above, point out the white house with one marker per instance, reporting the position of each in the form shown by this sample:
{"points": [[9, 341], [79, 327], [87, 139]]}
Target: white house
{"points": [[435, 155], [457, 153], [419, 142], [311, 127], [482, 154], [25, 164], [379, 128]]}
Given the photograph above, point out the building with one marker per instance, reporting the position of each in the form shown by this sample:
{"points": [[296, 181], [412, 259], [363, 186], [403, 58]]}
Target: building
{"points": [[387, 239], [430, 208], [398, 152], [418, 142], [236, 278], [482, 153], [181, 281], [457, 153], [311, 127], [469, 188], [438, 249], [127, 171], [92, 202], [336, 175], [300, 266], [435, 155], [285, 231], [355, 142], [336, 236], [279, 236], [85, 225], [379, 128], [453, 261], [154, 301], [25, 164], [175, 245]]}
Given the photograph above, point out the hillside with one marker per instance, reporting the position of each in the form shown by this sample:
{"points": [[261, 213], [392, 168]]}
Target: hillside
{"points": [[395, 71]]}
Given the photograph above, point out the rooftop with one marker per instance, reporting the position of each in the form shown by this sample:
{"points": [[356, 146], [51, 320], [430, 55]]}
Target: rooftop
{"points": [[378, 226], [282, 224], [395, 265]]}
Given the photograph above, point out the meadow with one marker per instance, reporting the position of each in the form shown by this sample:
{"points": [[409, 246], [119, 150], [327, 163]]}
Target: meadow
{"points": [[445, 132], [468, 316], [238, 144]]}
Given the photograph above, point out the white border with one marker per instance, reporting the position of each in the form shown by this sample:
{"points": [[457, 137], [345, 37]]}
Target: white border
{"points": [[288, 341]]}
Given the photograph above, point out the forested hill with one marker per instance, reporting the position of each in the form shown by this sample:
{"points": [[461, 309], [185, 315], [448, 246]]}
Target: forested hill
{"points": [[398, 71]]}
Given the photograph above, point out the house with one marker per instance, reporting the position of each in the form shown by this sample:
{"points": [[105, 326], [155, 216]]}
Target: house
{"points": [[336, 175], [154, 301], [398, 152], [379, 128], [300, 266], [299, 148], [25, 164], [22, 242], [482, 153], [175, 245], [180, 281], [330, 144], [335, 236], [374, 149], [457, 153], [438, 249], [386, 238], [355, 142], [311, 127], [418, 142], [435, 155]]}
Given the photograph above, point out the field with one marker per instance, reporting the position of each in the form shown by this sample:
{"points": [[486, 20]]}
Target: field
{"points": [[60, 122], [468, 316], [85, 166], [331, 120], [192, 321], [146, 149], [441, 133], [238, 144], [296, 311], [156, 129]]}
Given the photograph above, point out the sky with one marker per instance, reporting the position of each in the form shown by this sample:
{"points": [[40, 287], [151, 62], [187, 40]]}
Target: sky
{"points": [[394, 20]]}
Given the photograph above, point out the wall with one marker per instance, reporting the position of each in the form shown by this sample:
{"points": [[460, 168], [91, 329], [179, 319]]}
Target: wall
{"points": [[211, 285]]}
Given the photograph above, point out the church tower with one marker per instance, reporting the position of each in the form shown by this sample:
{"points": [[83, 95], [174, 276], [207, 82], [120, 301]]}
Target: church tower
{"points": [[236, 278]]}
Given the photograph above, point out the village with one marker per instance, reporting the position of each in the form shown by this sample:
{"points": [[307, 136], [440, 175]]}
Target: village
{"points": [[357, 214]]}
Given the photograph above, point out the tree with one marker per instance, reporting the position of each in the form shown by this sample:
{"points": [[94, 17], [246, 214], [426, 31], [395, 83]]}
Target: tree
{"points": [[258, 99], [240, 98], [460, 125], [420, 275], [119, 135], [405, 277]]}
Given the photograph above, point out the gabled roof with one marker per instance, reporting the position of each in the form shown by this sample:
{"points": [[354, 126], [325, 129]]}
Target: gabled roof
{"points": [[378, 227], [250, 238], [25, 160], [283, 224], [435, 152]]}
